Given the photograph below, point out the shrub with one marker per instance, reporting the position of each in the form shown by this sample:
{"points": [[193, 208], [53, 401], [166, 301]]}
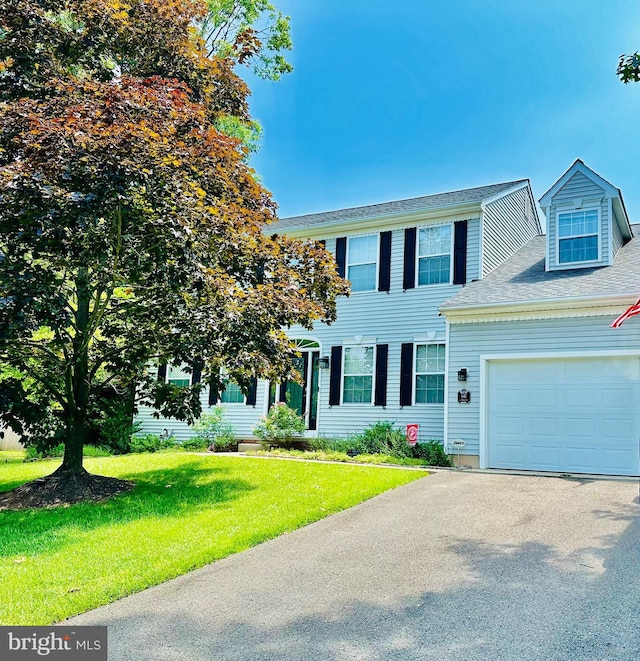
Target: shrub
{"points": [[280, 426], [212, 432], [433, 453], [151, 443], [383, 438]]}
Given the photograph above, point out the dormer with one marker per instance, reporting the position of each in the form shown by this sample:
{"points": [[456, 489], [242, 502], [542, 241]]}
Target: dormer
{"points": [[587, 222]]}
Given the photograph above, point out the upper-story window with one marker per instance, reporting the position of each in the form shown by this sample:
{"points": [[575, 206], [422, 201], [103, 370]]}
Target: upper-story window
{"points": [[362, 261], [177, 376], [358, 374], [434, 255], [578, 236]]}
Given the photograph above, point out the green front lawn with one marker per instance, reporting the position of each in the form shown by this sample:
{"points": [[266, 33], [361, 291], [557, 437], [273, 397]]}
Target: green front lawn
{"points": [[186, 511]]}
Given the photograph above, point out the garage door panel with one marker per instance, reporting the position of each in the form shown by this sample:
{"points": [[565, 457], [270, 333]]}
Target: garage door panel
{"points": [[617, 398], [545, 456], [510, 455], [568, 415], [581, 398], [585, 428], [544, 427], [543, 398], [617, 461], [582, 459]]}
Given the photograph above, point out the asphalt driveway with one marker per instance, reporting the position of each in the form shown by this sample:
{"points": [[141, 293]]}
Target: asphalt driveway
{"points": [[457, 566]]}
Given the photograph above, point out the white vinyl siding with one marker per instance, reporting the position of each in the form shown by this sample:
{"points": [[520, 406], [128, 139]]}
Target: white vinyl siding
{"points": [[362, 262], [357, 375], [429, 373], [508, 223], [578, 236], [434, 255], [467, 341]]}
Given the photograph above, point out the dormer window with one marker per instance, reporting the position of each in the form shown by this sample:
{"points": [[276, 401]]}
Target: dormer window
{"points": [[578, 236]]}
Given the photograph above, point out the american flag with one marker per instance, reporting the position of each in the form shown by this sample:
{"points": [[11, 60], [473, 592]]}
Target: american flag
{"points": [[629, 312]]}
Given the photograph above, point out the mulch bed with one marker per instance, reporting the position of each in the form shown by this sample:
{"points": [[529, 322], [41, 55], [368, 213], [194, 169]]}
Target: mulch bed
{"points": [[61, 490]]}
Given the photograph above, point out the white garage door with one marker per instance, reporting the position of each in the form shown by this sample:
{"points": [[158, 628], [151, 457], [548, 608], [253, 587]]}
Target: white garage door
{"points": [[578, 415]]}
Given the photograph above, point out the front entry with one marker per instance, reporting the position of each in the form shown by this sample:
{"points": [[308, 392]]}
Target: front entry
{"points": [[302, 397]]}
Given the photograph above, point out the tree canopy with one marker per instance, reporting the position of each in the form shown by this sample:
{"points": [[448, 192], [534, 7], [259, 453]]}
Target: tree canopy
{"points": [[131, 227]]}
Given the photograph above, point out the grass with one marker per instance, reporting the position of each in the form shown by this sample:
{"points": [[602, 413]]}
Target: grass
{"points": [[186, 511]]}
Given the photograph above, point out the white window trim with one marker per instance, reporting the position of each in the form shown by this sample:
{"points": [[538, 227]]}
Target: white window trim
{"points": [[373, 374], [560, 212], [417, 270], [377, 262], [414, 387]]}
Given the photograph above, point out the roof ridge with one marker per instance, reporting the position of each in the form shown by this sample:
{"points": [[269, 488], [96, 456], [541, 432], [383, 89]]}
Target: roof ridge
{"points": [[504, 185]]}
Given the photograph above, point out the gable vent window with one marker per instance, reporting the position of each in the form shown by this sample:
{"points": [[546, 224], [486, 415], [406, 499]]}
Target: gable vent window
{"points": [[578, 236], [362, 260], [434, 255]]}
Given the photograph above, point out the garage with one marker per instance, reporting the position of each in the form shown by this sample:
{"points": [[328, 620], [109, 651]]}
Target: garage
{"points": [[572, 415]]}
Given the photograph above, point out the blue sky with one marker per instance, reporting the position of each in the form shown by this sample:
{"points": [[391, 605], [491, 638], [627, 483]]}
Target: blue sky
{"points": [[396, 100]]}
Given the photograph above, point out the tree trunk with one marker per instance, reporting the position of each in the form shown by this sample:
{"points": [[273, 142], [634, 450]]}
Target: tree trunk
{"points": [[76, 432]]}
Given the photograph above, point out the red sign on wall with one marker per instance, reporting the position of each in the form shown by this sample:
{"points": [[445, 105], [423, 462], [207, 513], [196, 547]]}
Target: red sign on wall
{"points": [[412, 434]]}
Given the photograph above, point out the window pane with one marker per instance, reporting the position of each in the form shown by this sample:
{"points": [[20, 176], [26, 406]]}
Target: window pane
{"points": [[578, 250], [358, 360], [363, 249], [231, 394], [578, 223], [434, 270], [363, 277], [434, 241], [357, 389], [430, 389]]}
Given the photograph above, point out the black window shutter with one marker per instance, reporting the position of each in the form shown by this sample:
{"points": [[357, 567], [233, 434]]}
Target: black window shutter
{"points": [[409, 279], [213, 396], [335, 376], [162, 372], [252, 392], [406, 374], [341, 256], [460, 252], [382, 354], [196, 375], [384, 276], [282, 395]]}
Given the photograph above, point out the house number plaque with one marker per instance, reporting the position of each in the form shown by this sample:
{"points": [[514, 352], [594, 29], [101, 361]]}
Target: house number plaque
{"points": [[464, 396]]}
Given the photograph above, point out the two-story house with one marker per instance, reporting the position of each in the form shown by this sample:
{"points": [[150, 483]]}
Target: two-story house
{"points": [[460, 309]]}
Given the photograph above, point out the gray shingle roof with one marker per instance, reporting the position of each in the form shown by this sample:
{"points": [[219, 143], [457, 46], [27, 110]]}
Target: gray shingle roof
{"points": [[523, 278], [466, 196]]}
